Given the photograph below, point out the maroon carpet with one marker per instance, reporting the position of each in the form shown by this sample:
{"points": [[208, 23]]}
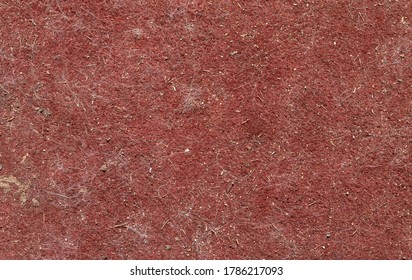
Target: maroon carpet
{"points": [[205, 129]]}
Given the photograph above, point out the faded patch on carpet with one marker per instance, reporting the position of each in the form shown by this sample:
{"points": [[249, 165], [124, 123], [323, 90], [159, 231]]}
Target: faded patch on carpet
{"points": [[11, 184]]}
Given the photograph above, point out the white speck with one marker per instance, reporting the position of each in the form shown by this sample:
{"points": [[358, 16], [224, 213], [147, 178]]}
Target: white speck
{"points": [[137, 32], [187, 150]]}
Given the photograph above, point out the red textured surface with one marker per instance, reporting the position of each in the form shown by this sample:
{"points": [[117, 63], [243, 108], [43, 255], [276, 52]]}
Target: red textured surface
{"points": [[205, 129]]}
